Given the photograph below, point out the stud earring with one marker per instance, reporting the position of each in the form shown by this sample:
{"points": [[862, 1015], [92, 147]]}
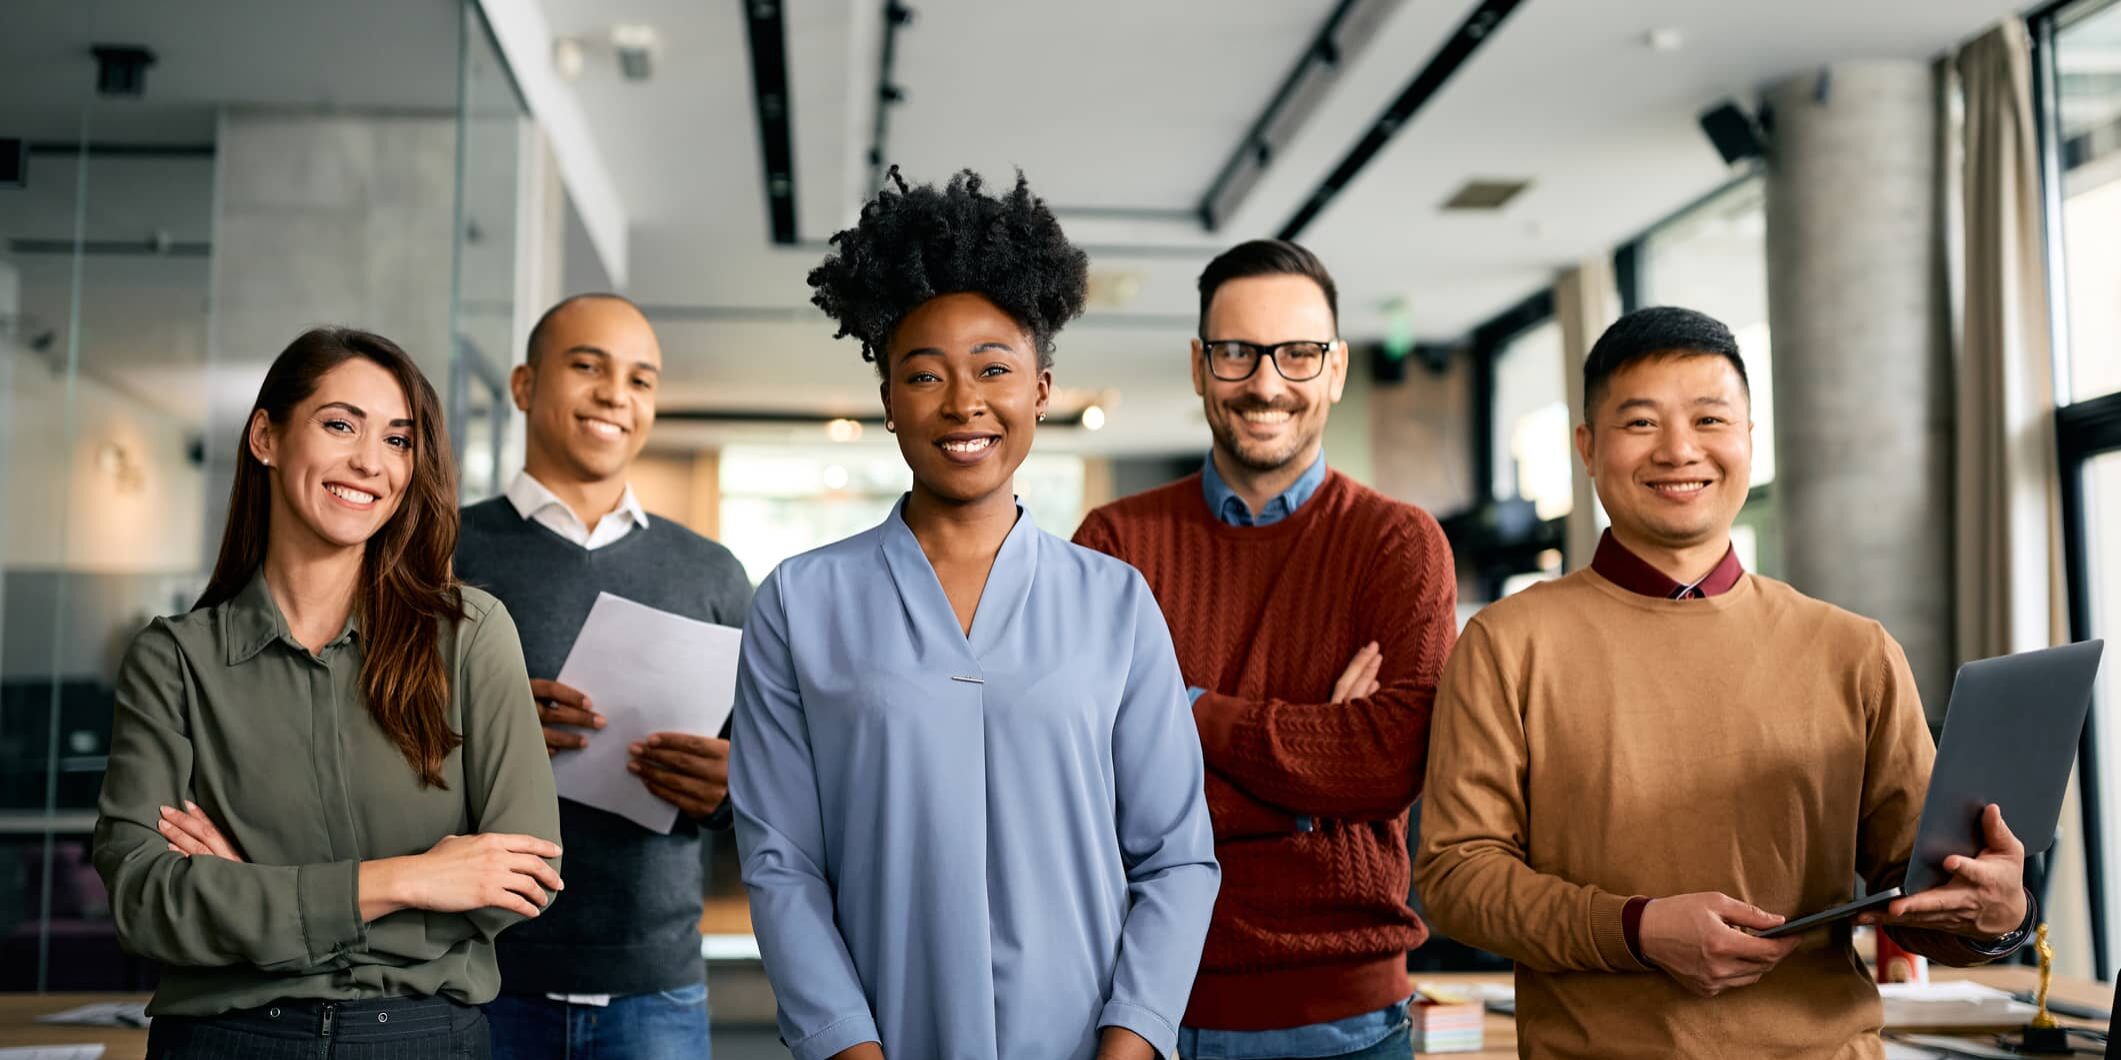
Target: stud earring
{"points": [[1041, 417], [890, 426]]}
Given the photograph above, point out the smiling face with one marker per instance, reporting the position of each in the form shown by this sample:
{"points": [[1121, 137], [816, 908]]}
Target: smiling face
{"points": [[340, 464], [1266, 423], [964, 391], [589, 391], [1670, 450]]}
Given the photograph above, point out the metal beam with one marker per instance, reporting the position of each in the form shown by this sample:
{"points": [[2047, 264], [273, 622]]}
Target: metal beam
{"points": [[766, 28], [1471, 34]]}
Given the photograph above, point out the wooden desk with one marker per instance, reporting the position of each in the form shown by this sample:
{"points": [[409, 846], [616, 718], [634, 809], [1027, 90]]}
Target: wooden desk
{"points": [[1500, 1037], [726, 915], [19, 1026], [18, 1012]]}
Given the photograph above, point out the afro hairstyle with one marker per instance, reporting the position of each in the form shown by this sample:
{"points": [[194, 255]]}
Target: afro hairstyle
{"points": [[913, 244]]}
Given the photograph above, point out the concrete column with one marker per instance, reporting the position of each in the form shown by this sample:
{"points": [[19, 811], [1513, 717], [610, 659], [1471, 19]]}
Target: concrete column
{"points": [[323, 219], [1862, 383], [1586, 305]]}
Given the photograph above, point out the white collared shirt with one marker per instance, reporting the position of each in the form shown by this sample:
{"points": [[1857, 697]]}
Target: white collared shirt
{"points": [[533, 501]]}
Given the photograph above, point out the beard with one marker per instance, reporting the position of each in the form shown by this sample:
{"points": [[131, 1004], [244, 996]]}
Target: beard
{"points": [[1262, 456]]}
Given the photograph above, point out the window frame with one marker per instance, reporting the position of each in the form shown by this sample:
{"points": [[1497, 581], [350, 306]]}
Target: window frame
{"points": [[2084, 431]]}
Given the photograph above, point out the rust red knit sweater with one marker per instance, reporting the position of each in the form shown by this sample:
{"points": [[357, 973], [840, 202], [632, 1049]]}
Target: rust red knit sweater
{"points": [[1310, 926]]}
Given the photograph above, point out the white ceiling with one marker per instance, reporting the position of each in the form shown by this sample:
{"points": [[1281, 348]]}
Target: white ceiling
{"points": [[375, 54], [1103, 103], [144, 318], [1115, 103]]}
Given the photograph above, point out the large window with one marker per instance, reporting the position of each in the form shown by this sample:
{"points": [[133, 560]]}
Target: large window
{"points": [[2082, 44], [2088, 81], [1713, 258], [1534, 454], [781, 501]]}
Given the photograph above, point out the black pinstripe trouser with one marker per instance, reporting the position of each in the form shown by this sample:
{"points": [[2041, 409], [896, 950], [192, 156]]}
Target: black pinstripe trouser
{"points": [[398, 1028]]}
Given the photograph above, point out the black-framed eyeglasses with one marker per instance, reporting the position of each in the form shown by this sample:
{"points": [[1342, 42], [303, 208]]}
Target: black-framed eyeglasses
{"points": [[1234, 360]]}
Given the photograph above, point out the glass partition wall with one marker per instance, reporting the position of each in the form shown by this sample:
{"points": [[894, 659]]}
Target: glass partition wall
{"points": [[160, 249]]}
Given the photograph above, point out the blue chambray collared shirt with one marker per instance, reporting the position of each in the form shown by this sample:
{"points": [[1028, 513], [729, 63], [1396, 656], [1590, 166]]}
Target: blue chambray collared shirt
{"points": [[1232, 509]]}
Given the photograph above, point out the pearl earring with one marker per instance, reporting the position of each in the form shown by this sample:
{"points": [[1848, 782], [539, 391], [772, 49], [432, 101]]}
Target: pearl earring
{"points": [[890, 426]]}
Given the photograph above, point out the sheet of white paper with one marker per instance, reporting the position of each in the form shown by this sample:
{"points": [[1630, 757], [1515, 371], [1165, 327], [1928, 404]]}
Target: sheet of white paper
{"points": [[101, 1014], [646, 671], [50, 1052]]}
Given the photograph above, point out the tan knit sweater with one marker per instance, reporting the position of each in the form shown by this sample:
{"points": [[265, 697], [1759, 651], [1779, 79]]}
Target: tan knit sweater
{"points": [[1591, 744]]}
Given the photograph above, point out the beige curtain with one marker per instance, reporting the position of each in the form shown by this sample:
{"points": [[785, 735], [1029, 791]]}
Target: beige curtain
{"points": [[2008, 555], [1585, 305]]}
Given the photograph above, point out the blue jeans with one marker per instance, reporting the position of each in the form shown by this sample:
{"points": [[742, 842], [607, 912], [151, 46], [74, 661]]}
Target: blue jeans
{"points": [[671, 1025], [1381, 1035]]}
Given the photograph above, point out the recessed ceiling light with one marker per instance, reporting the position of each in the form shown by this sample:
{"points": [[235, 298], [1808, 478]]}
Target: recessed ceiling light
{"points": [[567, 57], [1665, 39], [1094, 418], [1112, 289]]}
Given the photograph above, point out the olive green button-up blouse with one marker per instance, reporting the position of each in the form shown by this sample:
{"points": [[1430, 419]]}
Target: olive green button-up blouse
{"points": [[224, 707]]}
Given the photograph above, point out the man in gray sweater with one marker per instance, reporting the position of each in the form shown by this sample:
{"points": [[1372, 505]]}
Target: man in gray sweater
{"points": [[615, 970]]}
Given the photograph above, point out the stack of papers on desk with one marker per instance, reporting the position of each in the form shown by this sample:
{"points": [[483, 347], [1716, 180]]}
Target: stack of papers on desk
{"points": [[1922, 1006], [101, 1014], [1500, 998], [1445, 1021]]}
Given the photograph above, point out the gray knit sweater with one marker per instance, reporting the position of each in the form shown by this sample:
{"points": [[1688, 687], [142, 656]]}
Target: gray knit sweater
{"points": [[629, 923]]}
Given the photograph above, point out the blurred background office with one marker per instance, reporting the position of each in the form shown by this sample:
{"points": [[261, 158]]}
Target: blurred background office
{"points": [[1909, 212]]}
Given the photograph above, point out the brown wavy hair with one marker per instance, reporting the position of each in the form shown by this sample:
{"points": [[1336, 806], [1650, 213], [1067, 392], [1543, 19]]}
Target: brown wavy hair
{"points": [[407, 584]]}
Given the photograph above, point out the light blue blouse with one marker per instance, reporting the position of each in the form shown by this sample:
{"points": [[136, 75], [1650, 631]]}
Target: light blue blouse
{"points": [[979, 847]]}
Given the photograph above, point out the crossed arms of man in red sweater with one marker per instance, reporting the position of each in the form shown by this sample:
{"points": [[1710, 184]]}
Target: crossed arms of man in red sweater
{"points": [[1361, 753]]}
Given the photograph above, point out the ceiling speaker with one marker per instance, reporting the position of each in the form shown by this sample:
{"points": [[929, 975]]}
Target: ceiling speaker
{"points": [[1734, 133]]}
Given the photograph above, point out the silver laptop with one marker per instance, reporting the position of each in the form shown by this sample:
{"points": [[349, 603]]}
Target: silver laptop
{"points": [[2010, 737]]}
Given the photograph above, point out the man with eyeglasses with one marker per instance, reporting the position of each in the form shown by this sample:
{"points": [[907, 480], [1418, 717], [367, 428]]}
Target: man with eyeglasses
{"points": [[1312, 617]]}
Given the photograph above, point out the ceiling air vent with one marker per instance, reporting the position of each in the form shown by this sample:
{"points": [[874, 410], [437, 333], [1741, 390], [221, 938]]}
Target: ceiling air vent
{"points": [[1485, 194]]}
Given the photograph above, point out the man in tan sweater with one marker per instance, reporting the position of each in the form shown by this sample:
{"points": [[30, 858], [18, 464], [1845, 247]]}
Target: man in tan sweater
{"points": [[1636, 767]]}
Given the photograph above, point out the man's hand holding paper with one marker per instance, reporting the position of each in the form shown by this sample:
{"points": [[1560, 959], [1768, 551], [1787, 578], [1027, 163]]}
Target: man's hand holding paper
{"points": [[657, 681], [687, 771]]}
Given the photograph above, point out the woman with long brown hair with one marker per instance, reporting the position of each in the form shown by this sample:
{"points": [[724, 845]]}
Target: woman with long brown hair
{"points": [[328, 790]]}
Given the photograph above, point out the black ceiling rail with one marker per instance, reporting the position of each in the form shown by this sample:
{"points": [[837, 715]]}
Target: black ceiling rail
{"points": [[1171, 251], [149, 248], [1477, 29], [678, 313], [805, 417], [896, 17], [766, 27], [1125, 213], [1345, 31], [111, 149], [735, 314]]}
